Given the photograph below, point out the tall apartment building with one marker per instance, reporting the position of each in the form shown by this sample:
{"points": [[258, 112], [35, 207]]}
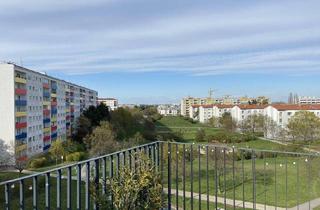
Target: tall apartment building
{"points": [[112, 103], [186, 104], [37, 109]]}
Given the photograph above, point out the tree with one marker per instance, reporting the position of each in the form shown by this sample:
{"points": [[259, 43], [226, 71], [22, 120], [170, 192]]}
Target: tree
{"points": [[84, 127], [102, 140], [227, 122], [6, 155], [304, 125], [270, 128], [20, 163], [97, 114], [253, 123], [57, 150], [200, 135], [214, 122]]}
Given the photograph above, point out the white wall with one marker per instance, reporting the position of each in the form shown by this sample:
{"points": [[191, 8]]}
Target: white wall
{"points": [[7, 115]]}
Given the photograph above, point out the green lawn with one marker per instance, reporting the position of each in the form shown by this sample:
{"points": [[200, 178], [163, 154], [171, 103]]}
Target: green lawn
{"points": [[204, 204], [180, 125], [280, 181], [170, 121], [260, 144]]}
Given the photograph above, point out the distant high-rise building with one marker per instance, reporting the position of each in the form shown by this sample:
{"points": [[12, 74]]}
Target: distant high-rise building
{"points": [[293, 98], [37, 109], [186, 104]]}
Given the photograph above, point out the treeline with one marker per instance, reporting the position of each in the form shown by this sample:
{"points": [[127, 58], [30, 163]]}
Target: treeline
{"points": [[102, 131]]}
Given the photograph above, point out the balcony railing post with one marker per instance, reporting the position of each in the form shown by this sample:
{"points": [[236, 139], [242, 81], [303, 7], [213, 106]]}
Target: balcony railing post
{"points": [[199, 174], [104, 176], [233, 179], [207, 175], [69, 183], [96, 182], [191, 173], [177, 177], [35, 192], [216, 177], [253, 157], [58, 189], [79, 186], [184, 175], [7, 197], [118, 164], [169, 175], [87, 195], [224, 179], [21, 190], [47, 189]]}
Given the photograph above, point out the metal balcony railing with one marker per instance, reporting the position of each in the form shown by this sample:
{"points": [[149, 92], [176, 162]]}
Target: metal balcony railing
{"points": [[194, 176]]}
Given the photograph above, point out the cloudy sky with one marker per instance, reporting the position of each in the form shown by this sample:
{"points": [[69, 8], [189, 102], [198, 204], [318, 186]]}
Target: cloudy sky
{"points": [[159, 51]]}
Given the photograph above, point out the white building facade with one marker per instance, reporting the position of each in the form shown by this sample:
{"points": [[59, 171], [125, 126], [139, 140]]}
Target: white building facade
{"points": [[37, 109], [112, 103], [241, 112], [206, 112], [279, 113], [168, 110]]}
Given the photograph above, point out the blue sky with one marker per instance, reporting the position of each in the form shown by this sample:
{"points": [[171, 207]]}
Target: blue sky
{"points": [[145, 51]]}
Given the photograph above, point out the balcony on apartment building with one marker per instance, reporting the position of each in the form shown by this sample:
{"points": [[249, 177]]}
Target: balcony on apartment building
{"points": [[21, 102], [21, 80], [20, 91], [46, 120], [46, 94], [21, 136], [45, 86], [46, 138], [46, 147], [46, 112], [54, 135], [20, 125], [21, 114], [192, 176]]}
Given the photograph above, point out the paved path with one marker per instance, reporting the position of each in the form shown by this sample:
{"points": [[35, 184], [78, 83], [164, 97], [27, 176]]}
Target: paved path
{"points": [[305, 206]]}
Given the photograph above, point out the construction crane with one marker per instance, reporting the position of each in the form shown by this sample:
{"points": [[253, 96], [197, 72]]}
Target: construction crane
{"points": [[211, 92]]}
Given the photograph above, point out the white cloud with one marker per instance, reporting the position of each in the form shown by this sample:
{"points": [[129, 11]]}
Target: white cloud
{"points": [[196, 38]]}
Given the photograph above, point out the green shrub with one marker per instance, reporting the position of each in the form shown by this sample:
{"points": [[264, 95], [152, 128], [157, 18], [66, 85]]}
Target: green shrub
{"points": [[38, 162], [76, 156], [134, 189]]}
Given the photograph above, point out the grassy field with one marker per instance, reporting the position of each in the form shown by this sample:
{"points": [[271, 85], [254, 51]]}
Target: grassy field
{"points": [[281, 181], [41, 193], [183, 126], [260, 144], [204, 204]]}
